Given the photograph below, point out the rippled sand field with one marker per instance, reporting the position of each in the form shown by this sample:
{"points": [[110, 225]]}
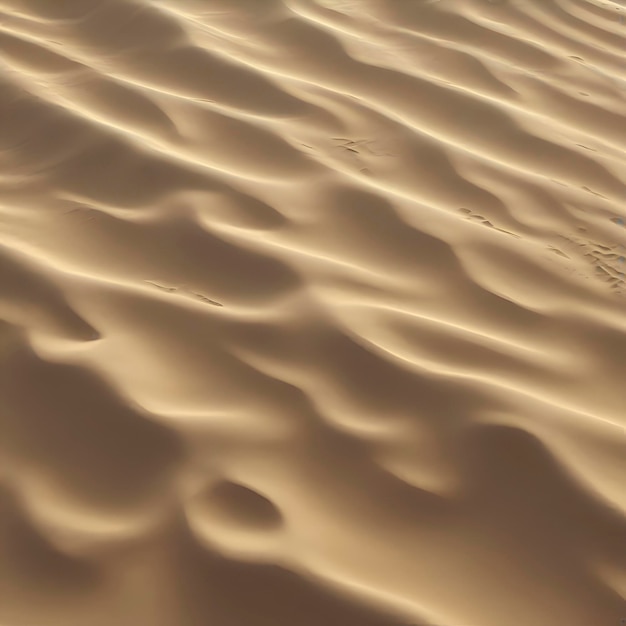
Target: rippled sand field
{"points": [[312, 312]]}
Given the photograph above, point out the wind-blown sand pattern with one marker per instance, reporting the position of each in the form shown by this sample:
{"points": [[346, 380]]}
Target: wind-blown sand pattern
{"points": [[312, 312]]}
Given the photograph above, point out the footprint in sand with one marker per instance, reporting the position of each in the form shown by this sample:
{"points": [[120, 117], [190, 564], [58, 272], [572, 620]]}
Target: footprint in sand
{"points": [[183, 291], [474, 217], [606, 261]]}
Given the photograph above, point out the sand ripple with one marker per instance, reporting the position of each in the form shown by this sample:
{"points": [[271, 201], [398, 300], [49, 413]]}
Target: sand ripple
{"points": [[312, 312]]}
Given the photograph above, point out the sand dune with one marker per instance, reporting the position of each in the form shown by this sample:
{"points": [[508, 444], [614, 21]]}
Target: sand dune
{"points": [[312, 312]]}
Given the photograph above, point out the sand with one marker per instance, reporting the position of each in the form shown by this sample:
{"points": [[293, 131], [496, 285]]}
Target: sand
{"points": [[312, 312]]}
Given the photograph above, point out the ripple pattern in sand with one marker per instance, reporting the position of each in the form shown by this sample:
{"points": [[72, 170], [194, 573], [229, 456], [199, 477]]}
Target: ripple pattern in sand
{"points": [[312, 312]]}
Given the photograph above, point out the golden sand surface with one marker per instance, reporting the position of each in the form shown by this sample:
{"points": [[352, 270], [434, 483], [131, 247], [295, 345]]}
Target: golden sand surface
{"points": [[312, 312]]}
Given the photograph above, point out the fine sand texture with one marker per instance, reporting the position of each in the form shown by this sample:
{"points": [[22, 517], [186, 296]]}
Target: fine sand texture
{"points": [[312, 312]]}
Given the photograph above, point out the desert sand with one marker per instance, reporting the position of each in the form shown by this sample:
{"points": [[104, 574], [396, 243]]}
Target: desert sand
{"points": [[312, 312]]}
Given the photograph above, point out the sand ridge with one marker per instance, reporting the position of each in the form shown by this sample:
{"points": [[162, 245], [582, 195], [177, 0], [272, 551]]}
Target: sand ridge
{"points": [[312, 312]]}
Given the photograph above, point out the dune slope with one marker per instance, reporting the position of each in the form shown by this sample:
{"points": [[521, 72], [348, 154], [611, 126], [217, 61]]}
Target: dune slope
{"points": [[312, 312]]}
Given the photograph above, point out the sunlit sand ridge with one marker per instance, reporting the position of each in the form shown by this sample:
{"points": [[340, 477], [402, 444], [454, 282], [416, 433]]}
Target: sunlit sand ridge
{"points": [[312, 312]]}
